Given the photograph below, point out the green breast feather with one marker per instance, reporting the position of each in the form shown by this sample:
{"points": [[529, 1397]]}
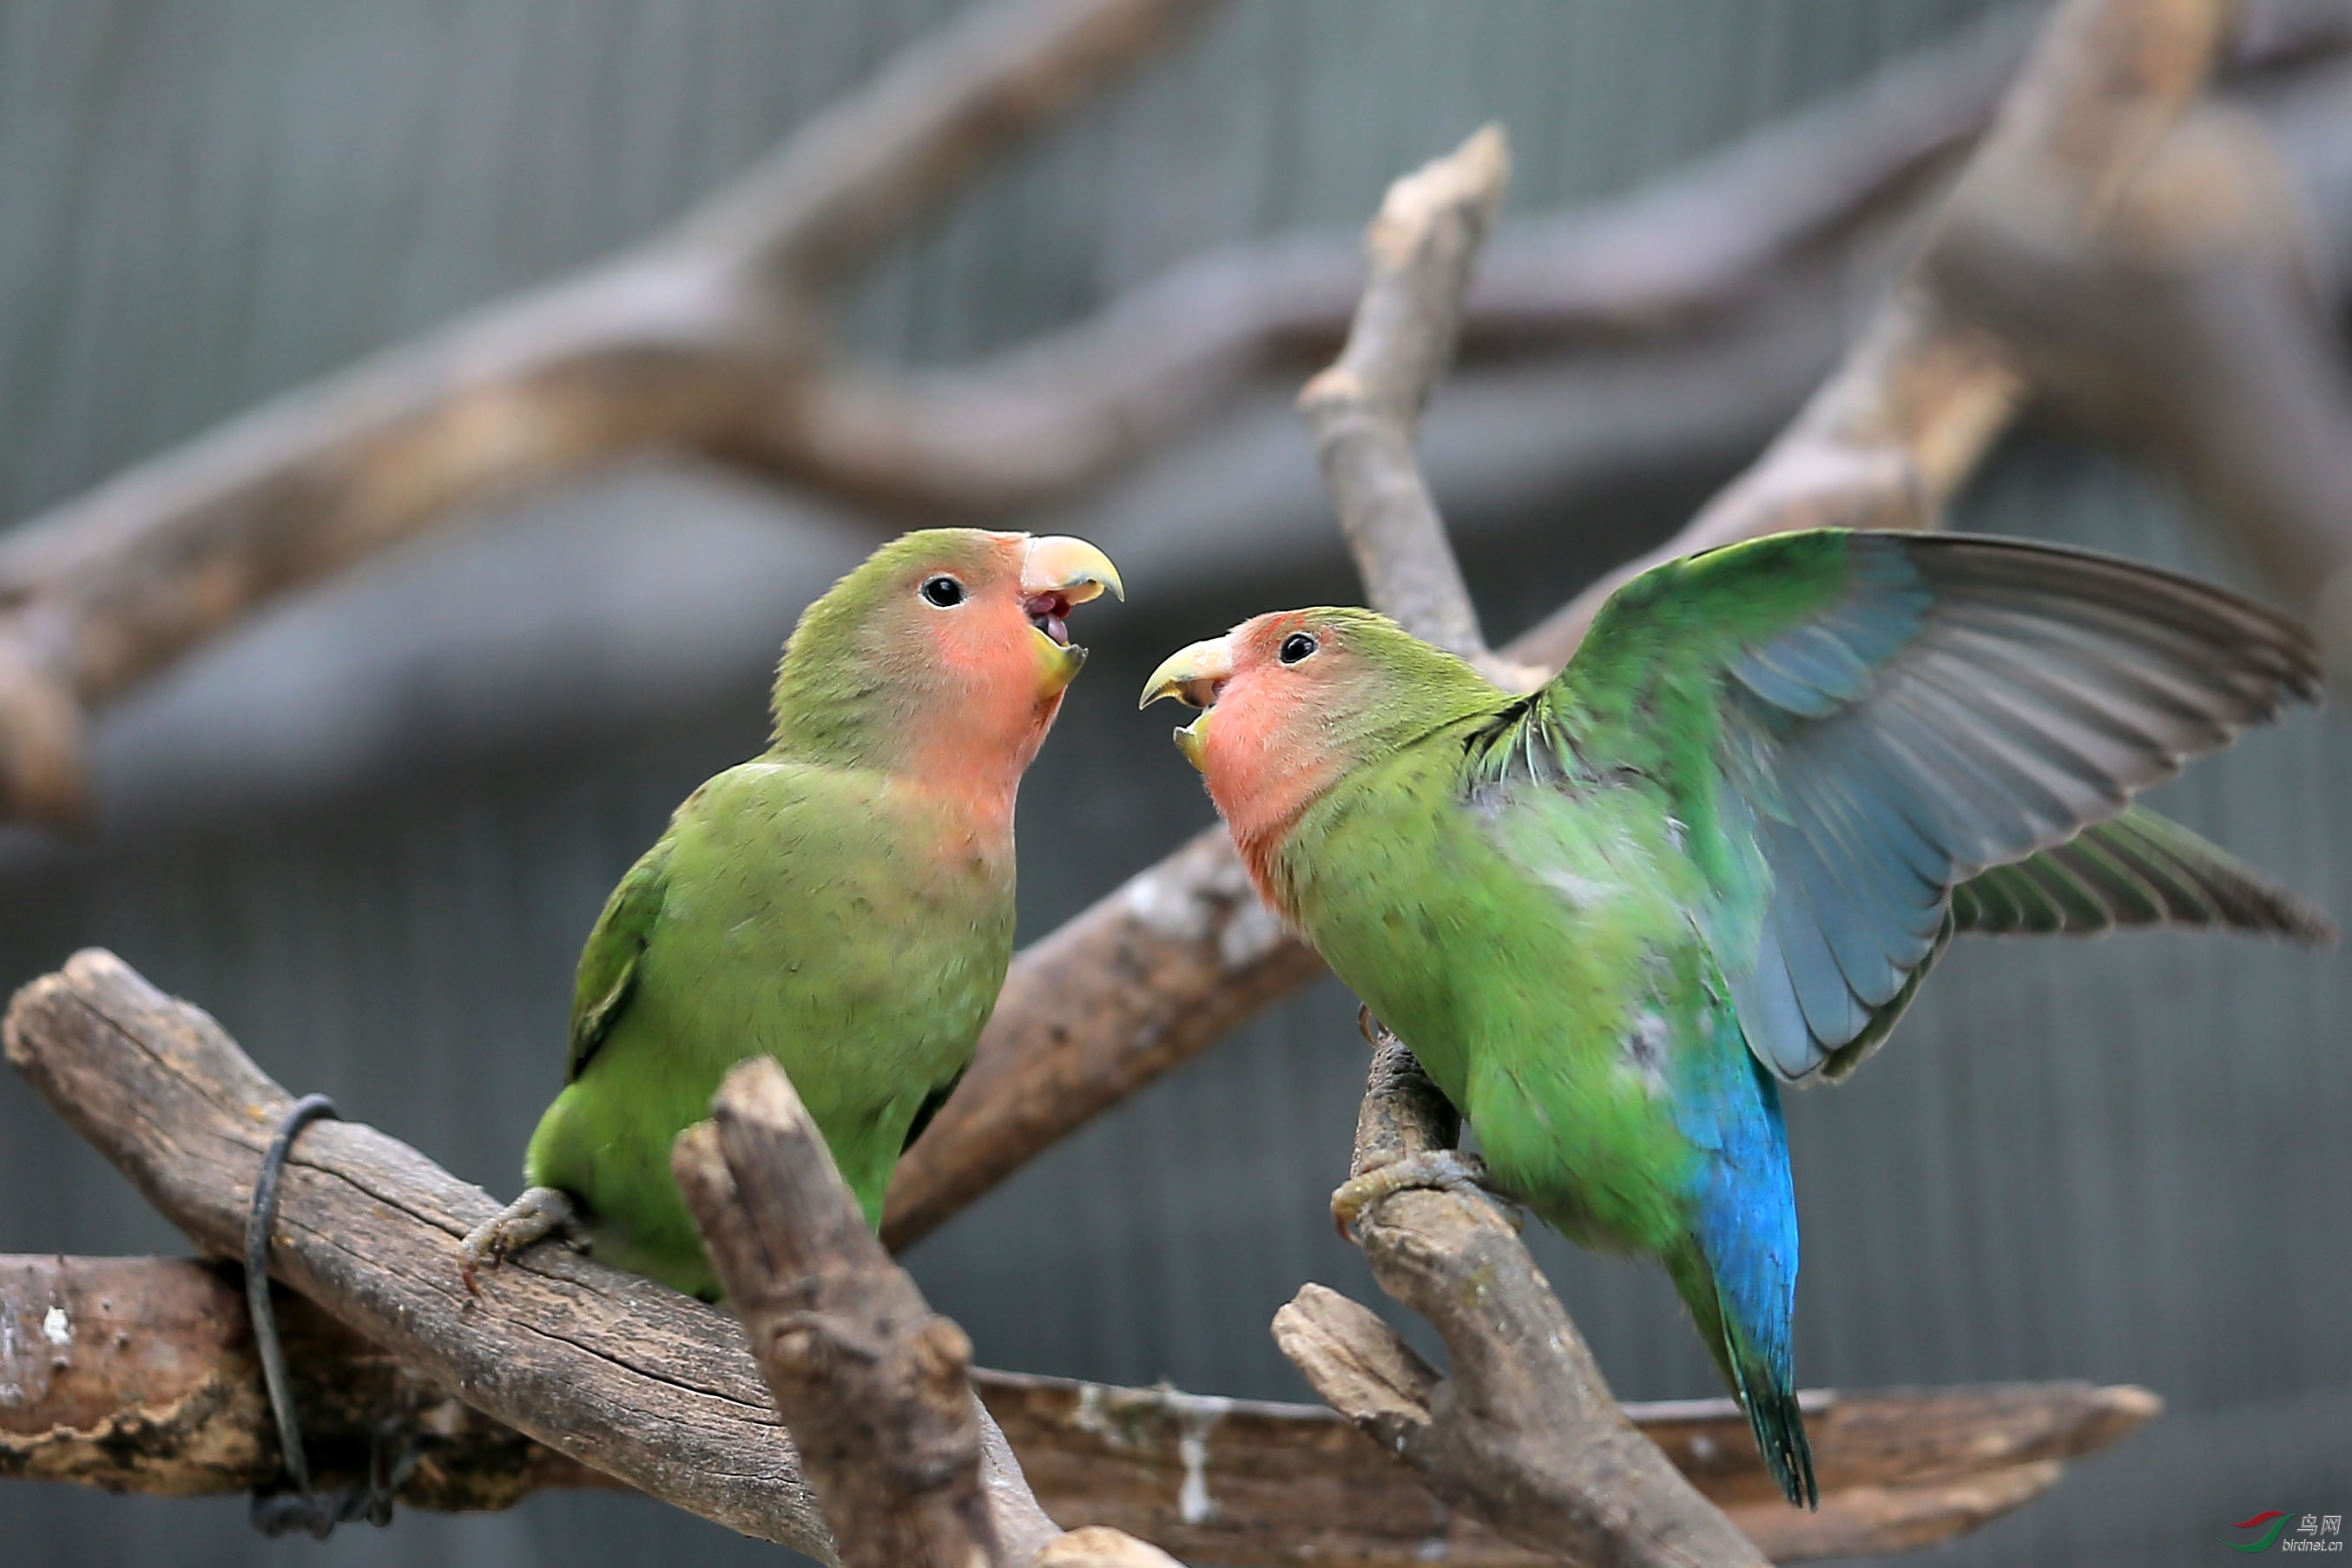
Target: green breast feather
{"points": [[794, 911]]}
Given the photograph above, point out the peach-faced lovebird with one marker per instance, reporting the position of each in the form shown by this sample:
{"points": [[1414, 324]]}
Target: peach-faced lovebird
{"points": [[1718, 852], [842, 902]]}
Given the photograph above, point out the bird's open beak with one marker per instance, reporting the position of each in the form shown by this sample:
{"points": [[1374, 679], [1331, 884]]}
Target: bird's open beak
{"points": [[1057, 572], [1070, 568], [1197, 676]]}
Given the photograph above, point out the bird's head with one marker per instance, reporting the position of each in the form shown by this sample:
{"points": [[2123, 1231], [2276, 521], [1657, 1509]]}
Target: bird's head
{"points": [[1294, 701], [944, 654]]}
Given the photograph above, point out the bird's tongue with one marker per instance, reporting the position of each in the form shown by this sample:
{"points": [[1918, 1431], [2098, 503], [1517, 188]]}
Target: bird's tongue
{"points": [[1050, 614]]}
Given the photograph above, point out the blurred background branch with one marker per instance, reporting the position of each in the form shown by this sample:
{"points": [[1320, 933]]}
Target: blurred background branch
{"points": [[712, 339]]}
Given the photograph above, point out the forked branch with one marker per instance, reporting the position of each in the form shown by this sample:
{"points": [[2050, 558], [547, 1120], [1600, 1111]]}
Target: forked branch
{"points": [[875, 1387]]}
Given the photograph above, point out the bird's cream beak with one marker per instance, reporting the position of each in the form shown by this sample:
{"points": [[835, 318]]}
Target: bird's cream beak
{"points": [[1057, 572], [1193, 676], [1197, 676], [1057, 565]]}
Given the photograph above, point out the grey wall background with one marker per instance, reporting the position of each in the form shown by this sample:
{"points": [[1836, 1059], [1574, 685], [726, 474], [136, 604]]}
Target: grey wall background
{"points": [[369, 831]]}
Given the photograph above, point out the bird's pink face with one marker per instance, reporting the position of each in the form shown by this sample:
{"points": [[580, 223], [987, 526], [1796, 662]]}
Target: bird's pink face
{"points": [[984, 617], [1273, 693]]}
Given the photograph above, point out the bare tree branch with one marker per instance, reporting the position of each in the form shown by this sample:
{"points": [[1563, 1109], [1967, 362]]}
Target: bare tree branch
{"points": [[710, 340], [609, 1369], [136, 1374], [1365, 408], [703, 340], [1868, 1506], [1524, 1434], [876, 1387]]}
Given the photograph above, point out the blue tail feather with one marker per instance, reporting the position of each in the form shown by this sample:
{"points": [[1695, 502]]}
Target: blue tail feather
{"points": [[1739, 1272]]}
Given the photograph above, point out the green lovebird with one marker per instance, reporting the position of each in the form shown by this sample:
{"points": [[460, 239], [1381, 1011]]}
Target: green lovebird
{"points": [[842, 902], [1719, 851]]}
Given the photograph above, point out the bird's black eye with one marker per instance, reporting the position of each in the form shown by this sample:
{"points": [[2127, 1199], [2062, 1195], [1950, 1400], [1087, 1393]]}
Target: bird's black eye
{"points": [[944, 590], [1297, 645]]}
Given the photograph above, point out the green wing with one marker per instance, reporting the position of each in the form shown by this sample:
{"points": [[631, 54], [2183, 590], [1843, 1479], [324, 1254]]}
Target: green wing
{"points": [[1848, 726], [608, 963]]}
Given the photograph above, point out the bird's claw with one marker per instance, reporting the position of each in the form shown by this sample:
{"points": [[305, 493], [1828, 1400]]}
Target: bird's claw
{"points": [[1432, 1170], [539, 1212]]}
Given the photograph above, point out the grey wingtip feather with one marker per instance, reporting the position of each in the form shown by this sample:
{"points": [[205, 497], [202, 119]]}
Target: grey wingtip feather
{"points": [[2301, 673], [2305, 925]]}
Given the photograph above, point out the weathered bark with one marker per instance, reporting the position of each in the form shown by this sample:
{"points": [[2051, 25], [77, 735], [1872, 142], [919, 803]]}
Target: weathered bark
{"points": [[145, 1380], [611, 1370], [138, 1374], [1522, 1433], [875, 1385]]}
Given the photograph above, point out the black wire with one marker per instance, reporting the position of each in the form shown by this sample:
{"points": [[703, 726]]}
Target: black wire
{"points": [[301, 1507]]}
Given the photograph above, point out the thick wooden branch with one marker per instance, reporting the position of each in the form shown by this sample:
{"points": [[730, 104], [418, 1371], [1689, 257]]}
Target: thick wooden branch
{"points": [[608, 1369], [136, 1374], [876, 1387], [1871, 1502]]}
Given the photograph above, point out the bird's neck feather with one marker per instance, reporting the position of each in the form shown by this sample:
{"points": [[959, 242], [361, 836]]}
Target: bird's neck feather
{"points": [[963, 742], [1263, 782]]}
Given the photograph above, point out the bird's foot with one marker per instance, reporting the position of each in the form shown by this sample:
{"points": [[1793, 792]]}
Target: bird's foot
{"points": [[1432, 1170], [539, 1212]]}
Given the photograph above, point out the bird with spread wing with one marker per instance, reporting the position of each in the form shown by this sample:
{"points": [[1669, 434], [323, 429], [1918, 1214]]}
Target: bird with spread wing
{"points": [[1719, 852]]}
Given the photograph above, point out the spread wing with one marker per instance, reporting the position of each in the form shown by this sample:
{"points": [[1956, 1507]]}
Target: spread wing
{"points": [[2137, 869], [608, 962], [1849, 726]]}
